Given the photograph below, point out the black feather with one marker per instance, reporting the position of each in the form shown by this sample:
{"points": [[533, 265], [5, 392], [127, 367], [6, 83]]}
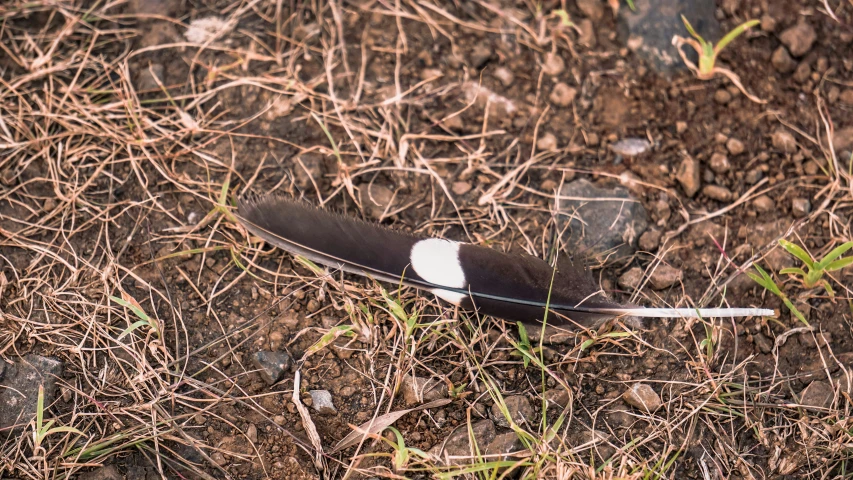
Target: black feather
{"points": [[510, 286]]}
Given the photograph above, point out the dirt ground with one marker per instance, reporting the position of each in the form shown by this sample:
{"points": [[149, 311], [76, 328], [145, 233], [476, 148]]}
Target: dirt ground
{"points": [[127, 128]]}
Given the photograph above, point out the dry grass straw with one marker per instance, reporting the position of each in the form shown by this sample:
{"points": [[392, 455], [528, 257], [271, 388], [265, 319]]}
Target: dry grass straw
{"points": [[88, 161]]}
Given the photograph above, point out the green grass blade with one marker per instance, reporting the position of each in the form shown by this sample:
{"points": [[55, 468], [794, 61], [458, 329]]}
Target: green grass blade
{"points": [[136, 310], [133, 327], [839, 264], [798, 252], [734, 34], [835, 253]]}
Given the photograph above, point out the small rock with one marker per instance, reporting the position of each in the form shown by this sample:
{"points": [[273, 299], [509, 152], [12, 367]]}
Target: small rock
{"points": [[818, 394], [322, 402], [802, 73], [680, 127], [547, 142], [763, 204], [562, 95], [650, 240], [109, 472], [587, 33], [735, 146], [592, 9], [461, 188], [375, 199], [504, 75], [559, 397], [630, 147], [601, 225], [783, 141], [502, 445], [846, 97], [753, 176], [631, 279], [799, 38], [643, 397], [719, 163], [782, 60], [458, 444], [777, 259], [800, 207], [722, 96], [252, 433], [312, 172], [811, 167], [19, 389], [717, 192], [430, 73], [763, 343], [768, 23], [519, 409], [219, 459], [148, 77], [271, 365], [665, 276], [481, 54], [688, 176], [418, 389], [843, 140], [454, 123], [553, 64]]}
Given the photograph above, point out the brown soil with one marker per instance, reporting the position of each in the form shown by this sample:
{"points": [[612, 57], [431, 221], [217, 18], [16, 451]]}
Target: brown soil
{"points": [[107, 174]]}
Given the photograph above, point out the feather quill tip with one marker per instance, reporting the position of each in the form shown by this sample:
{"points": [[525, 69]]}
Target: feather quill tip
{"points": [[699, 312]]}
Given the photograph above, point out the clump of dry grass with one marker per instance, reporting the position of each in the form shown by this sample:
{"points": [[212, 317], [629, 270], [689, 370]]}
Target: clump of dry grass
{"points": [[112, 192]]}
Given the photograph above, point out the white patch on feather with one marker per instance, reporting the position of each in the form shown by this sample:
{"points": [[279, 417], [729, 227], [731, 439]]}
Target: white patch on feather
{"points": [[437, 261], [448, 296]]}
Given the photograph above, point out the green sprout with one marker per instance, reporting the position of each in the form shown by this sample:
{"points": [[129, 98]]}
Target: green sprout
{"points": [[812, 275], [43, 429], [524, 348], [708, 53], [766, 281], [144, 319]]}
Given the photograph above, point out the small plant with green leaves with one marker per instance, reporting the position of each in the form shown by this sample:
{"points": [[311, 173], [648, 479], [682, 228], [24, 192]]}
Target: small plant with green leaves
{"points": [[812, 273], [708, 53], [42, 429], [144, 320], [765, 280], [523, 348]]}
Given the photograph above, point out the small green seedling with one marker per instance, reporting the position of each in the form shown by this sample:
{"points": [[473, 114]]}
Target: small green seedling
{"points": [[524, 349], [766, 281], [812, 275], [708, 53], [144, 319], [42, 430]]}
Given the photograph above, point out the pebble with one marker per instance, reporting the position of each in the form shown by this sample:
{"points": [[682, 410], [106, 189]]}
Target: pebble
{"points": [[218, 458], [811, 168], [630, 147], [547, 142], [768, 23], [458, 443], [735, 146], [558, 396], [843, 140], [461, 188], [519, 409], [553, 64], [502, 445], [643, 397], [592, 9], [783, 141], [719, 163], [480, 55], [321, 400], [782, 60], [504, 75], [650, 240], [722, 96], [148, 77], [799, 38], [818, 394], [680, 127], [271, 365], [802, 73], [763, 204], [665, 276], [688, 176], [252, 433], [375, 199], [753, 176], [846, 97], [800, 207], [417, 389], [562, 94], [717, 192], [631, 279], [763, 343]]}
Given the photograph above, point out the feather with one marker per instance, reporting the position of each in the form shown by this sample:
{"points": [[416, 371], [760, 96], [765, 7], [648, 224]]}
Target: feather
{"points": [[510, 286]]}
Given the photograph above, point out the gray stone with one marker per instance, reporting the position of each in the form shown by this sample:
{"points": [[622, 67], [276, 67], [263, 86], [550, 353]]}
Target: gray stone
{"points": [[559, 397], [654, 23], [782, 60], [800, 207], [631, 279], [783, 141], [719, 163], [664, 276], [502, 445], [321, 400], [519, 409], [271, 365], [147, 79], [480, 55], [19, 389], [375, 199], [688, 176], [458, 443], [630, 147], [417, 390], [763, 204], [650, 240], [818, 394], [763, 343], [607, 224], [643, 397]]}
